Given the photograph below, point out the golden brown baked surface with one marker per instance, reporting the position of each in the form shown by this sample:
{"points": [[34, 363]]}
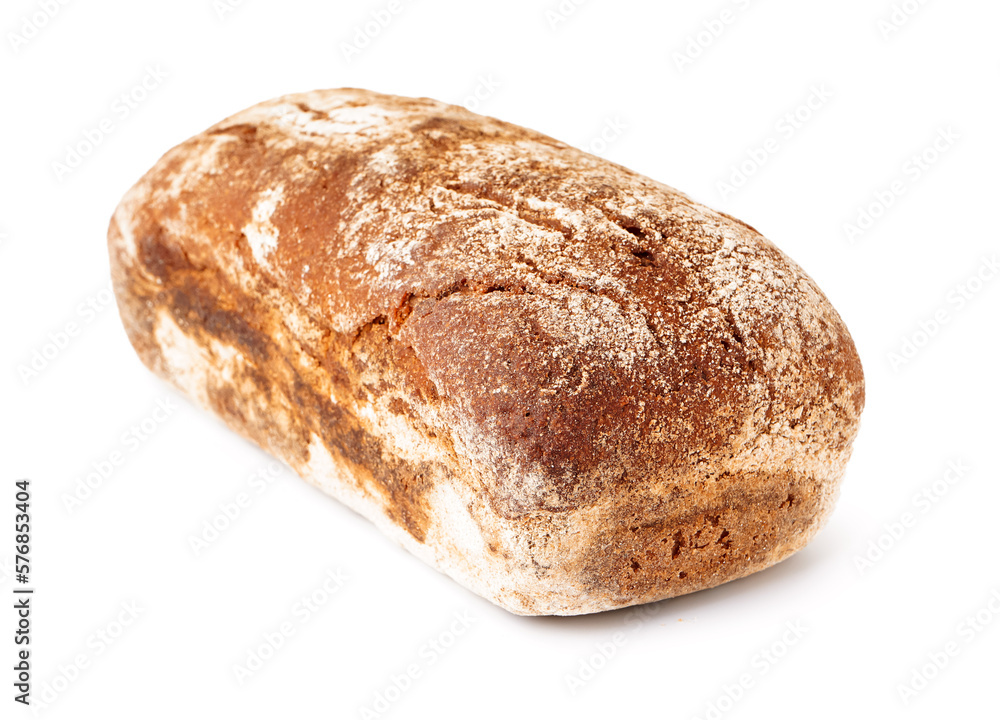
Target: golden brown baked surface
{"points": [[568, 386]]}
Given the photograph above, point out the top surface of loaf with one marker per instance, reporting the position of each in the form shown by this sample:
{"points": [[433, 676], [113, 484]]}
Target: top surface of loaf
{"points": [[580, 317], [356, 200]]}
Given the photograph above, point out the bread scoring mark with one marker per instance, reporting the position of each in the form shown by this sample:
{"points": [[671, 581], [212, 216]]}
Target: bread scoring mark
{"points": [[261, 234]]}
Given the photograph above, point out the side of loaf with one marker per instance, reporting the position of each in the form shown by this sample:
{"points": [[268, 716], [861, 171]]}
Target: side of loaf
{"points": [[569, 387]]}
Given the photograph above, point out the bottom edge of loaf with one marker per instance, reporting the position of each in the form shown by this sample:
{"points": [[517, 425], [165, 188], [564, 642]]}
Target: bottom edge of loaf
{"points": [[600, 565], [528, 595]]}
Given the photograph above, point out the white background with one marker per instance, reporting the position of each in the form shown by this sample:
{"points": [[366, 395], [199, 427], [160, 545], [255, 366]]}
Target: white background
{"points": [[866, 628]]}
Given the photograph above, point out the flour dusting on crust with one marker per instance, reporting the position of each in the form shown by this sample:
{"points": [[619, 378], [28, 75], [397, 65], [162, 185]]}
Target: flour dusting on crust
{"points": [[570, 387]]}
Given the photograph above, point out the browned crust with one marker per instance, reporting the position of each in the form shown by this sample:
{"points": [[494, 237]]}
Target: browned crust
{"points": [[639, 396]]}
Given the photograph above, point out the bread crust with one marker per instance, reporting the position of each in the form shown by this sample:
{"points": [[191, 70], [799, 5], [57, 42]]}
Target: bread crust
{"points": [[566, 385]]}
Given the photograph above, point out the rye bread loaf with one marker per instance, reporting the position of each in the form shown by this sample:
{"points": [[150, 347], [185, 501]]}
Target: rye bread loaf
{"points": [[569, 387]]}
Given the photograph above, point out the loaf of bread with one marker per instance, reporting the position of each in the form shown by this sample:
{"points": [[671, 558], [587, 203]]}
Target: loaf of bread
{"points": [[569, 387]]}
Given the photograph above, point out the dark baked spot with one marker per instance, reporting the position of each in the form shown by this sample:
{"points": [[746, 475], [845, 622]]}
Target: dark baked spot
{"points": [[723, 540], [195, 306], [245, 132], [645, 257], [678, 543], [443, 133], [398, 407], [228, 404], [159, 256]]}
